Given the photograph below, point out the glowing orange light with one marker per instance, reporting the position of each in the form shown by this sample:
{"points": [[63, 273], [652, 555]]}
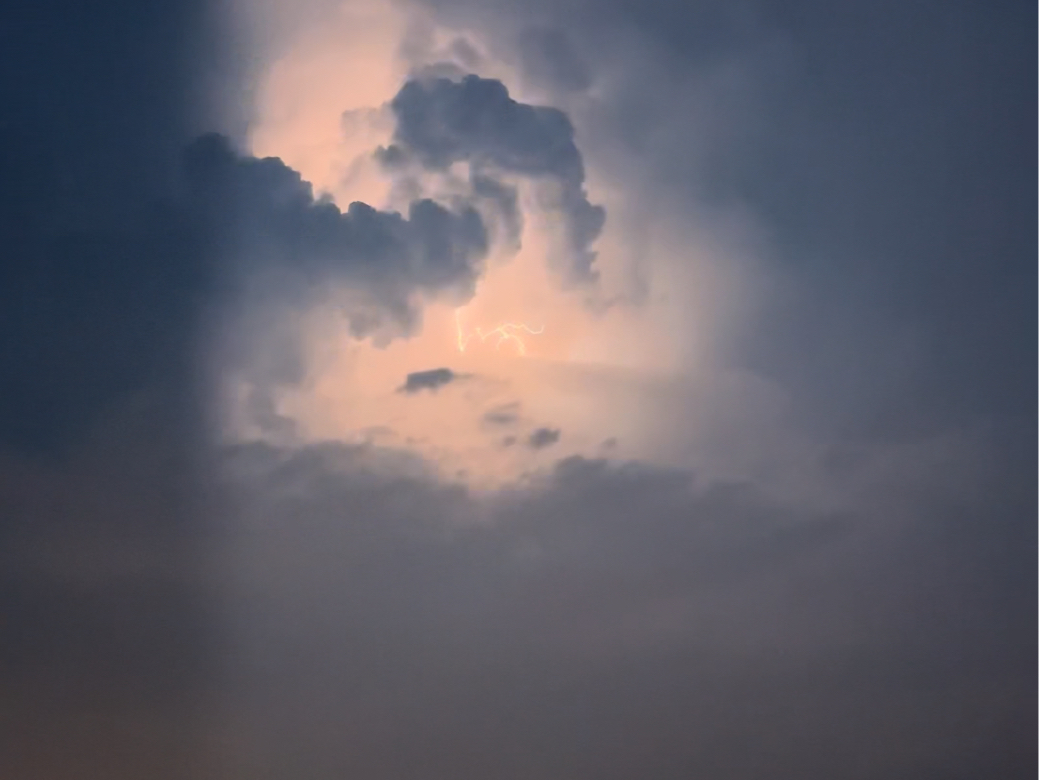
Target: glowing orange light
{"points": [[505, 332]]}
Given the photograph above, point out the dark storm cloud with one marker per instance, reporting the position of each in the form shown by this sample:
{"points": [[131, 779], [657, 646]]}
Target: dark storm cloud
{"points": [[433, 379], [91, 281], [100, 311], [441, 121], [543, 437], [107, 633], [264, 211], [611, 621]]}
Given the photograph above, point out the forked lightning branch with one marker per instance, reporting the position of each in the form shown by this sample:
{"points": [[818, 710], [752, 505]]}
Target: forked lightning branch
{"points": [[509, 333]]}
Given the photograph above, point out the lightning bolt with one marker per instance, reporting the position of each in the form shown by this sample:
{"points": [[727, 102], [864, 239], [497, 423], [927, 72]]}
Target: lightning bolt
{"points": [[505, 332]]}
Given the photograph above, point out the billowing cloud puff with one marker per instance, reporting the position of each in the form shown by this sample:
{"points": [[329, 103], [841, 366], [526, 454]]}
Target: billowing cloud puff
{"points": [[269, 215], [441, 121]]}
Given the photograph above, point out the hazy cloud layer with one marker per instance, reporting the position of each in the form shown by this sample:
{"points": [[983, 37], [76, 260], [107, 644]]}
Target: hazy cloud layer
{"points": [[723, 634]]}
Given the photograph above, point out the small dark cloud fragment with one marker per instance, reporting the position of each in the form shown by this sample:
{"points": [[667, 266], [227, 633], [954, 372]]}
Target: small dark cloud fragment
{"points": [[544, 437], [508, 441], [432, 379], [506, 414]]}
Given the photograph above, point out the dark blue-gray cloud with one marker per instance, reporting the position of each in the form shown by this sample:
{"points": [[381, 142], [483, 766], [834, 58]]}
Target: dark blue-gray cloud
{"points": [[266, 212], [433, 379], [103, 279], [441, 121]]}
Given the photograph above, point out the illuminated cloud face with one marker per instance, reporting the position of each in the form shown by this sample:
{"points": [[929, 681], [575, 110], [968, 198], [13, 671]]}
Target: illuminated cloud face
{"points": [[579, 317]]}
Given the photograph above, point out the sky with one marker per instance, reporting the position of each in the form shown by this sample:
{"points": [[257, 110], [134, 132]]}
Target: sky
{"points": [[543, 390]]}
